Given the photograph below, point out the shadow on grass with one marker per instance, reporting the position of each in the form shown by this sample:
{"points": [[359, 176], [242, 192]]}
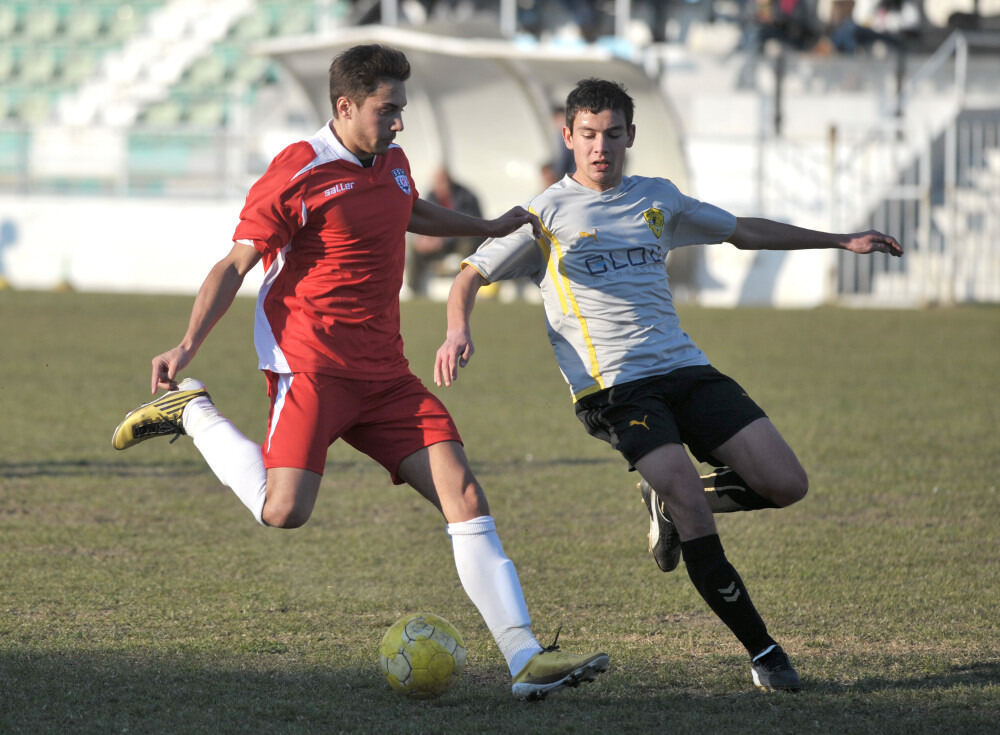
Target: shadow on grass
{"points": [[979, 674], [86, 467], [104, 692], [506, 465]]}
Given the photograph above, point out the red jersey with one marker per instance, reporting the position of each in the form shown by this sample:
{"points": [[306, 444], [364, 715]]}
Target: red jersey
{"points": [[332, 236]]}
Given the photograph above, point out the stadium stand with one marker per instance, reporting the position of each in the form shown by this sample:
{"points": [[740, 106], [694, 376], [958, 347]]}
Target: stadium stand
{"points": [[184, 104]]}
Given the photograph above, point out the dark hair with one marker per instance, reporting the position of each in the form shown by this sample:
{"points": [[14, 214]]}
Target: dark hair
{"points": [[357, 72], [597, 95]]}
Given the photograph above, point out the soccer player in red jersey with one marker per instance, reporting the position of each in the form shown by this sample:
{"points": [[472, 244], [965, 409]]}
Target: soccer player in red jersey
{"points": [[327, 220]]}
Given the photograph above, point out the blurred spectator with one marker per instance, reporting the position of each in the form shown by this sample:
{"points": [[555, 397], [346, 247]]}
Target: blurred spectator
{"points": [[671, 20], [586, 16], [562, 162], [589, 18], [979, 19], [791, 22], [547, 173], [875, 21], [424, 250]]}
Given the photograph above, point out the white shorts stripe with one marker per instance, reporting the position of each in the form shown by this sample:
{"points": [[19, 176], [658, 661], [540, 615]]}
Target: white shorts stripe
{"points": [[284, 385]]}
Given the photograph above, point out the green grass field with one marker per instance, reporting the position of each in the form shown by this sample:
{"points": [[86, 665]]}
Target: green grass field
{"points": [[139, 596]]}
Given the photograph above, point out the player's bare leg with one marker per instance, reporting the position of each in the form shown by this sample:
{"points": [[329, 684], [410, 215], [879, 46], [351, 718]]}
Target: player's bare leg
{"points": [[761, 472], [441, 473], [669, 467], [669, 471], [291, 496], [765, 462], [187, 408]]}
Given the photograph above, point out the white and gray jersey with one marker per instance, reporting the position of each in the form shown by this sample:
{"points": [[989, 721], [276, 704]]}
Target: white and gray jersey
{"points": [[601, 268]]}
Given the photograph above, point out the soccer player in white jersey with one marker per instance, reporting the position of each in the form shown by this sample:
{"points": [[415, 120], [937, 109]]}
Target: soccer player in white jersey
{"points": [[328, 221], [637, 380]]}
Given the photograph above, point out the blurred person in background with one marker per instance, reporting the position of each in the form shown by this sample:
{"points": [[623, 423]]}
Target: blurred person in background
{"points": [[866, 23], [562, 159], [426, 251]]}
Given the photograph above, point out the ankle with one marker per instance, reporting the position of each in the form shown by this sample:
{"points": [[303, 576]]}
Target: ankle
{"points": [[199, 413]]}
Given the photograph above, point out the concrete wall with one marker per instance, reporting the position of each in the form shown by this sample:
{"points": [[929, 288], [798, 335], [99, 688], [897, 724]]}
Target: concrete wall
{"points": [[109, 244], [159, 246]]}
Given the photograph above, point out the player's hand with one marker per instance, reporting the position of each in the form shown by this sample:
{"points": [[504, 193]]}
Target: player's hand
{"points": [[166, 366], [874, 242], [512, 219], [454, 352]]}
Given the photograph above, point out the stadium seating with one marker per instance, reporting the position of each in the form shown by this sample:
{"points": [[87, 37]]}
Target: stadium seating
{"points": [[49, 47], [228, 73]]}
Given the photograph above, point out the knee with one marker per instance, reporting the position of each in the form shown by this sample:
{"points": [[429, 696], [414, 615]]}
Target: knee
{"points": [[471, 501], [462, 504], [791, 487], [285, 516]]}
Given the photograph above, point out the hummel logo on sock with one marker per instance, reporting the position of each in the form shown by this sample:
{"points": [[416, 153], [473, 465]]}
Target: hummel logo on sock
{"points": [[730, 593]]}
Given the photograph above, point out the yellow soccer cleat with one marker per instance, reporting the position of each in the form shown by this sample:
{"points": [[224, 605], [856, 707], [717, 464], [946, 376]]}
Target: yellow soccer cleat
{"points": [[159, 417], [550, 669]]}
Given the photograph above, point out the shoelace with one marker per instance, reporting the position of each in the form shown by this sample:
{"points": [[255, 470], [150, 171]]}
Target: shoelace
{"points": [[153, 428], [554, 646], [662, 507]]}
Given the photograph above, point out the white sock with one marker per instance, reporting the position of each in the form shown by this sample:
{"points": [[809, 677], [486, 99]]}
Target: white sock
{"points": [[234, 459], [491, 582]]}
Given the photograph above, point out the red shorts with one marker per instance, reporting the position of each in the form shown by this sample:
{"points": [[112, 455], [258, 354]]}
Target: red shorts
{"points": [[386, 419]]}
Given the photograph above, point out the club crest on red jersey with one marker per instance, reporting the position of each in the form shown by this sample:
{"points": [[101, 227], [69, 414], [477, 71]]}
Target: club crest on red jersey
{"points": [[402, 180]]}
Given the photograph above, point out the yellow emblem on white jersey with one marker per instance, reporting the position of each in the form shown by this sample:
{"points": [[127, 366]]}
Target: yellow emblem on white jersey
{"points": [[654, 218]]}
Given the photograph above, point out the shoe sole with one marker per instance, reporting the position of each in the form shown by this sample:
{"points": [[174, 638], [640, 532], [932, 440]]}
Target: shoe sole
{"points": [[586, 672]]}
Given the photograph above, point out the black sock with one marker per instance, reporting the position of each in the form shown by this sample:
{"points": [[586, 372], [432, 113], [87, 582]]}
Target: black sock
{"points": [[718, 582], [727, 492]]}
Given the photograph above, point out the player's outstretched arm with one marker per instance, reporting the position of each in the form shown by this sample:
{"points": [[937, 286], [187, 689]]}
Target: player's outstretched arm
{"points": [[428, 218], [457, 348], [756, 233], [213, 300]]}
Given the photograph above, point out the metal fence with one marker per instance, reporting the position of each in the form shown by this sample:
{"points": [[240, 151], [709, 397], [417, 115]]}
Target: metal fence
{"points": [[942, 198], [927, 173]]}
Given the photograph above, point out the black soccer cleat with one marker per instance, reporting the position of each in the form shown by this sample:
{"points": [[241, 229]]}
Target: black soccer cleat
{"points": [[664, 541], [773, 671]]}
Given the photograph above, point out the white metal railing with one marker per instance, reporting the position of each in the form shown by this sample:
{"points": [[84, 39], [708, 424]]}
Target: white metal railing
{"points": [[939, 193], [928, 172]]}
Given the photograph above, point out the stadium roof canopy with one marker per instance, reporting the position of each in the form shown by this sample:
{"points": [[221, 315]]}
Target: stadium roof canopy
{"points": [[483, 107]]}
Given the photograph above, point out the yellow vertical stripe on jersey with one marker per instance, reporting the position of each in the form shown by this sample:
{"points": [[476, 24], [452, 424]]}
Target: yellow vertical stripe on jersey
{"points": [[543, 244], [566, 298]]}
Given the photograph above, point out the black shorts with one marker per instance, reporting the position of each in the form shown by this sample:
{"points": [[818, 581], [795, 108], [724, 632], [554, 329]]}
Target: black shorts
{"points": [[697, 406]]}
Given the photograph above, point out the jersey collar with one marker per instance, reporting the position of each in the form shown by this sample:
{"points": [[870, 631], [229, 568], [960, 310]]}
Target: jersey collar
{"points": [[333, 142]]}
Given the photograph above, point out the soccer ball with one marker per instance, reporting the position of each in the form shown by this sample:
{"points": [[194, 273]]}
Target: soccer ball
{"points": [[422, 655]]}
